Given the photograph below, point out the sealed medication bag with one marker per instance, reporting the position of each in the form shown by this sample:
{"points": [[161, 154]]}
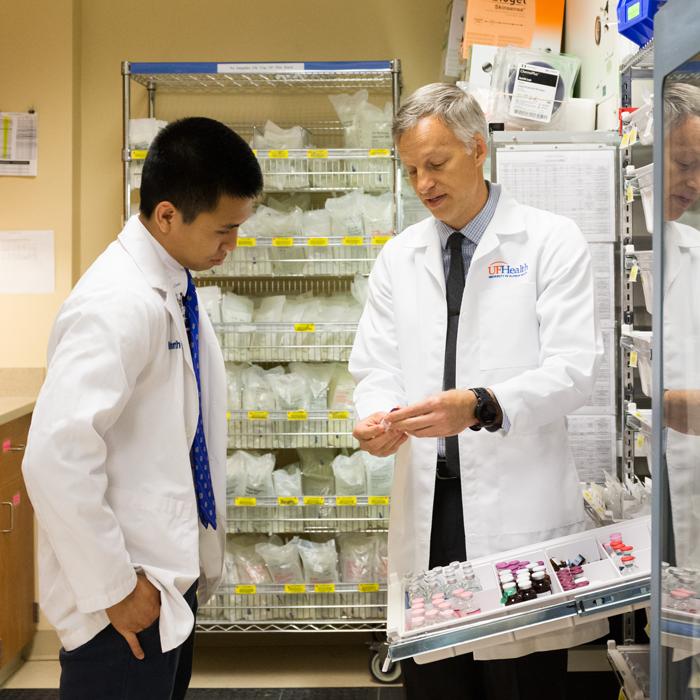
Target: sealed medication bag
{"points": [[349, 475], [283, 561], [320, 561]]}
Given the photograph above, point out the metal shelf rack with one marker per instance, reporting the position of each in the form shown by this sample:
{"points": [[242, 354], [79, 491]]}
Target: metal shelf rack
{"points": [[268, 434]]}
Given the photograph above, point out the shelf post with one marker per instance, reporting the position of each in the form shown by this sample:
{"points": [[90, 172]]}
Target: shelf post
{"points": [[126, 155]]}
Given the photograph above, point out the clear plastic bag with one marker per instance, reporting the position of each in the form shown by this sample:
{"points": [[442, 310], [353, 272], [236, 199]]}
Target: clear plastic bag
{"points": [[236, 475], [234, 384], [317, 224], [250, 565], [270, 310], [291, 392], [317, 472], [317, 377], [341, 389], [287, 483], [288, 203], [378, 214], [283, 561], [381, 557], [210, 299], [380, 474], [236, 309], [349, 475], [320, 561], [257, 391], [357, 557], [259, 474], [347, 222]]}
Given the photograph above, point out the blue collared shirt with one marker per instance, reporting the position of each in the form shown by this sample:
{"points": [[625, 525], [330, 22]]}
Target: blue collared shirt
{"points": [[473, 233]]}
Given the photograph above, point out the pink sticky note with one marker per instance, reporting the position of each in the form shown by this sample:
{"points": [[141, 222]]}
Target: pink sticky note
{"points": [[15, 500], [6, 446]]}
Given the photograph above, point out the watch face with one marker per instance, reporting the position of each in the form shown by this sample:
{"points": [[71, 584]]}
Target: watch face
{"points": [[488, 412]]}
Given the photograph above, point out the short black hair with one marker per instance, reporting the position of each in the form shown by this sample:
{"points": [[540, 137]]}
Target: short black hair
{"points": [[192, 162]]}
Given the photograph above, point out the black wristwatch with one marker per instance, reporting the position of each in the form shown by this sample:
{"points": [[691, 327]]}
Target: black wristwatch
{"points": [[486, 411]]}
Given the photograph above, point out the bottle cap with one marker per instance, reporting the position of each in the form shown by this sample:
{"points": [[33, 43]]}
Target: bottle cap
{"points": [[454, 563], [615, 536], [418, 611], [538, 576], [510, 591], [576, 569], [457, 592], [506, 577], [432, 613], [627, 548], [467, 595], [540, 567], [613, 543], [524, 563], [532, 565], [581, 584], [679, 594], [525, 585], [540, 563], [438, 596], [626, 559], [447, 614], [418, 601], [514, 562], [444, 606], [418, 621], [502, 565]]}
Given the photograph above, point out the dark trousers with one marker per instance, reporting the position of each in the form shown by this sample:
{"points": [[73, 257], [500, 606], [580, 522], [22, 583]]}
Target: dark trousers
{"points": [[540, 676], [106, 668]]}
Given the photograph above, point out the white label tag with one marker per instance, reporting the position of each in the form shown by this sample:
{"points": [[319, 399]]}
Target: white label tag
{"points": [[533, 93], [259, 67]]}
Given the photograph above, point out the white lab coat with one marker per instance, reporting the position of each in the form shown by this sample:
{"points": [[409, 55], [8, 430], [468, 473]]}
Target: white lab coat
{"points": [[528, 332], [107, 464], [681, 362]]}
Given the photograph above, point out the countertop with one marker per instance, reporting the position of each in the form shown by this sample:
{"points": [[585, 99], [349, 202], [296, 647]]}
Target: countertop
{"points": [[12, 407]]}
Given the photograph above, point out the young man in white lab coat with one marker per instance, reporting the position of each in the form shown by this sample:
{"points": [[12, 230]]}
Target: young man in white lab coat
{"points": [[125, 464], [483, 317]]}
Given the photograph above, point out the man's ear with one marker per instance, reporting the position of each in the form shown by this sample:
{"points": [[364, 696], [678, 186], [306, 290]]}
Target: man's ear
{"points": [[481, 148], [163, 216]]}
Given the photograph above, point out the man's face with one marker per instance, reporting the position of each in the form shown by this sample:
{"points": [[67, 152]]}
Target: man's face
{"points": [[204, 242], [445, 177], [682, 168]]}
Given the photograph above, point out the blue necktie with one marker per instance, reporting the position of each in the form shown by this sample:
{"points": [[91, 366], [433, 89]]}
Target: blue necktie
{"points": [[198, 455]]}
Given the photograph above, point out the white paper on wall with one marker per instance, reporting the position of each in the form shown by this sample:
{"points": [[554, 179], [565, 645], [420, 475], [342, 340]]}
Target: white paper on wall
{"points": [[27, 262], [603, 258], [593, 441]]}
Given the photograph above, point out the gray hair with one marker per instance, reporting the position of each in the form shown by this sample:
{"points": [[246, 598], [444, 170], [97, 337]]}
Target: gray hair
{"points": [[458, 110], [681, 101]]}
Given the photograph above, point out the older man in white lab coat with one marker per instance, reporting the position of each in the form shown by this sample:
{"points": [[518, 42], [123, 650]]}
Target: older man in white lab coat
{"points": [[482, 316], [126, 458]]}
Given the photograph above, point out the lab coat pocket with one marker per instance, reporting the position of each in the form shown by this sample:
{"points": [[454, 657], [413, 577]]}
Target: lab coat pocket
{"points": [[158, 531], [508, 327], [537, 492]]}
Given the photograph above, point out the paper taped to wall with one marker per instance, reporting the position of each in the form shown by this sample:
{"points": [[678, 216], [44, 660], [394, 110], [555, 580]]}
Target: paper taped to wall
{"points": [[27, 262], [18, 143]]}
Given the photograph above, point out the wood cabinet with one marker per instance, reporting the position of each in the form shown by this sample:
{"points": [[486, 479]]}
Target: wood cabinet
{"points": [[17, 608]]}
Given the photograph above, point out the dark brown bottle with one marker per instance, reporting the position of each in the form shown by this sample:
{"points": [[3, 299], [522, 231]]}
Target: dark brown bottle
{"points": [[540, 584], [512, 596], [526, 592]]}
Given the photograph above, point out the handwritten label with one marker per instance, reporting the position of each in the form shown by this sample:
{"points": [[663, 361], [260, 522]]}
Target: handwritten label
{"points": [[379, 500], [346, 501], [338, 415], [368, 587], [245, 590], [15, 500], [324, 588], [317, 241], [633, 359], [278, 154], [297, 415], [304, 327], [380, 240], [314, 500], [138, 155], [246, 243], [294, 588], [353, 240], [287, 500], [6, 446], [257, 415], [245, 501], [282, 242], [640, 441], [379, 153], [633, 274], [317, 154]]}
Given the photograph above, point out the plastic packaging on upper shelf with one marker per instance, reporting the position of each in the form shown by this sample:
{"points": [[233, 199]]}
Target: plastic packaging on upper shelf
{"points": [[257, 391], [143, 131], [320, 561], [283, 173], [236, 309], [236, 475], [282, 561], [291, 391], [270, 309], [317, 376], [317, 472], [530, 88], [287, 482], [381, 557], [357, 557], [234, 384], [378, 214], [287, 203], [349, 475], [210, 299], [341, 389], [379, 474], [259, 474], [251, 567]]}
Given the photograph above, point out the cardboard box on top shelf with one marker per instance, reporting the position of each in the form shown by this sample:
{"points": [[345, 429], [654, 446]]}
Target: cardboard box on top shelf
{"points": [[535, 25], [451, 60]]}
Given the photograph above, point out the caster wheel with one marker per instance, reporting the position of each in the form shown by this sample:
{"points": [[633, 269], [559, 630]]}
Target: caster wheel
{"points": [[393, 675], [379, 637]]}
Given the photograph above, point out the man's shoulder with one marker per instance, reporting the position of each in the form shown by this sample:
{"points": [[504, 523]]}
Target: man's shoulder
{"points": [[413, 235]]}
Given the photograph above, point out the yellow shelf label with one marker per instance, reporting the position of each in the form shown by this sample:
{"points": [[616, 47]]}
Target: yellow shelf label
{"points": [[633, 359], [369, 587], [297, 415], [630, 195], [633, 273], [338, 415], [379, 153], [304, 327], [257, 415], [633, 136], [245, 590], [353, 240], [245, 243], [379, 500], [317, 154], [346, 501], [625, 141], [295, 588], [138, 155], [317, 241], [255, 153], [380, 240], [278, 154], [313, 500], [640, 441], [324, 588], [282, 242], [585, 493], [228, 415], [622, 695], [245, 501], [287, 500]]}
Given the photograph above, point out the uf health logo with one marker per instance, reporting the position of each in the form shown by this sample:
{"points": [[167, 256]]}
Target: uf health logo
{"points": [[174, 346], [500, 268]]}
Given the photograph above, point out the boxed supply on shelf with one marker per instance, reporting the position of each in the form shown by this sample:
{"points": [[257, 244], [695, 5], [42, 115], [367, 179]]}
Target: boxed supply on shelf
{"points": [[639, 345], [607, 592]]}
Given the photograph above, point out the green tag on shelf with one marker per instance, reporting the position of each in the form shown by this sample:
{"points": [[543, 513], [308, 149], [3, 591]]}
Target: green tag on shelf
{"points": [[633, 11]]}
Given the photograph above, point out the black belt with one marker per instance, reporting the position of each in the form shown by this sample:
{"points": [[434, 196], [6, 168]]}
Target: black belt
{"points": [[442, 472]]}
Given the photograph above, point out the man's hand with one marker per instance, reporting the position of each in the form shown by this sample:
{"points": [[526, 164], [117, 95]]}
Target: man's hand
{"points": [[136, 612], [375, 438], [440, 415], [682, 411]]}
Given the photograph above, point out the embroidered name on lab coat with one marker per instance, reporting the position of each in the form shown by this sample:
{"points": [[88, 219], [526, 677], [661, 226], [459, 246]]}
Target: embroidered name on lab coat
{"points": [[500, 268], [174, 346]]}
